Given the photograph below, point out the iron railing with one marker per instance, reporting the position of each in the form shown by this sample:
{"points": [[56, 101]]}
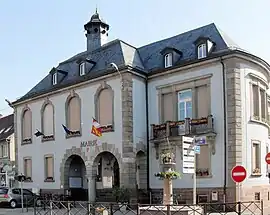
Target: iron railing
{"points": [[85, 208], [183, 127]]}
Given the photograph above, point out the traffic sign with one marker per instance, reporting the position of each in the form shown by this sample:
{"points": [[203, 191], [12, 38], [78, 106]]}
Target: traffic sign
{"points": [[238, 174], [267, 158]]}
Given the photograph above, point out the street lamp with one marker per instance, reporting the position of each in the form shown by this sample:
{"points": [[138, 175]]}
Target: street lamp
{"points": [[115, 67]]}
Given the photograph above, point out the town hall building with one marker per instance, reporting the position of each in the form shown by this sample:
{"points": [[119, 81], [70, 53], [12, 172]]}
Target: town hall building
{"points": [[198, 83]]}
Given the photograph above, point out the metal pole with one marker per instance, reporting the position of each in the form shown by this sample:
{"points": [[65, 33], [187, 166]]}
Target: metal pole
{"points": [[239, 192], [22, 194], [194, 180], [7, 179]]}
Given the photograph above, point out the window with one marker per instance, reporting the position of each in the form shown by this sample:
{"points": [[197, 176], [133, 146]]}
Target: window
{"points": [[26, 126], [256, 158], [203, 161], [74, 113], [184, 104], [268, 111], [168, 60], [48, 120], [49, 168], [27, 192], [16, 191], [167, 107], [105, 107], [54, 79], [202, 51], [263, 104], [203, 101], [259, 103], [28, 168], [82, 69], [4, 150]]}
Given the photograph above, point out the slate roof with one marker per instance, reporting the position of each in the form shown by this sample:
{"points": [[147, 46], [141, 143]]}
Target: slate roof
{"points": [[145, 59], [6, 126]]}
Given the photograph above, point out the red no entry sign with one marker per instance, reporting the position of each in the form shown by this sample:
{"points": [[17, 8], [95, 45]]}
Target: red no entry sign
{"points": [[239, 174], [267, 158]]}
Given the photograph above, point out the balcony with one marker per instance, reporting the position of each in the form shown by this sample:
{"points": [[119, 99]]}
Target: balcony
{"points": [[187, 127]]}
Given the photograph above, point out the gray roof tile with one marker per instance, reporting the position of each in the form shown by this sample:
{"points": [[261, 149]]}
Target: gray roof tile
{"points": [[146, 58], [6, 126]]}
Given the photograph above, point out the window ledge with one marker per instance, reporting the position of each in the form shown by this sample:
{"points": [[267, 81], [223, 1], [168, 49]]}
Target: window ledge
{"points": [[48, 138], [49, 180], [74, 134], [107, 128], [203, 176], [254, 120], [26, 141]]}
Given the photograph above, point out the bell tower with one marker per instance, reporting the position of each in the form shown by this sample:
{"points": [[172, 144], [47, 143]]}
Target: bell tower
{"points": [[96, 32]]}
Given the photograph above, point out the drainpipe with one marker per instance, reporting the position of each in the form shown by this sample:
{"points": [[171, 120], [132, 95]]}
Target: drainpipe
{"points": [[147, 133], [224, 128]]}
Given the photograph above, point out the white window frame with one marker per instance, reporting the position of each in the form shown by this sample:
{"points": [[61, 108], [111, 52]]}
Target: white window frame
{"points": [[202, 51], [54, 79], [82, 69], [185, 100], [168, 60]]}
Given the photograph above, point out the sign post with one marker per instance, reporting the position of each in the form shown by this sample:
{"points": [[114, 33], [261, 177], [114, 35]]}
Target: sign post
{"points": [[238, 175], [189, 162], [21, 178]]}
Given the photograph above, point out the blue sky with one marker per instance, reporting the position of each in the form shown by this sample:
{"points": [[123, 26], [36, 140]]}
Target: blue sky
{"points": [[36, 35]]}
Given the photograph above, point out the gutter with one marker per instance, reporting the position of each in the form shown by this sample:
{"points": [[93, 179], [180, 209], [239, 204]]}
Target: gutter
{"points": [[224, 128], [147, 132]]}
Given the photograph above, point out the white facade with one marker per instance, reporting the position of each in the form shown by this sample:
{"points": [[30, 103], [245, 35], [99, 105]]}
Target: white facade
{"points": [[253, 130], [38, 149]]}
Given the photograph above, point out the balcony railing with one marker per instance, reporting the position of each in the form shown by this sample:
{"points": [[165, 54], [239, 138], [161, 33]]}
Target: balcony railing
{"points": [[184, 127]]}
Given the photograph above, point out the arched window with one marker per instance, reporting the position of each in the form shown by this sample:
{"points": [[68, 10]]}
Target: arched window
{"points": [[105, 107], [48, 120], [74, 113], [26, 126]]}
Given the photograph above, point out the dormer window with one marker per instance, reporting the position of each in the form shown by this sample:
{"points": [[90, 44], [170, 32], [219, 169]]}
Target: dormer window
{"points": [[168, 60], [54, 79], [82, 69], [202, 51]]}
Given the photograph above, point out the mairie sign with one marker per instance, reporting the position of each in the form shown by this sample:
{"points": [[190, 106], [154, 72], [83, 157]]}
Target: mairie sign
{"points": [[88, 143]]}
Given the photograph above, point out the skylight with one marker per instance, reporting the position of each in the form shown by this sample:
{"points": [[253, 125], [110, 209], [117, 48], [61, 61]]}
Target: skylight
{"points": [[2, 130]]}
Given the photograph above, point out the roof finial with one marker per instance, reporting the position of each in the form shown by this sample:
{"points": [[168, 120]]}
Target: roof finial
{"points": [[96, 10]]}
